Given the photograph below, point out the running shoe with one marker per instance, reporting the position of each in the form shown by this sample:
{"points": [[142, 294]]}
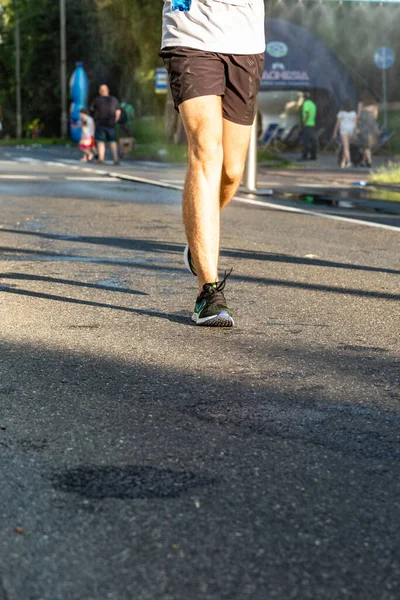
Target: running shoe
{"points": [[187, 257], [211, 309]]}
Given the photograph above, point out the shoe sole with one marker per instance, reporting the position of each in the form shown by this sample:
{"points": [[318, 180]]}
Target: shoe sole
{"points": [[187, 261], [223, 319]]}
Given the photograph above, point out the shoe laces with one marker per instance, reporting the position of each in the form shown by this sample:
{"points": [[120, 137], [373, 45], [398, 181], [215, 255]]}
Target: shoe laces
{"points": [[214, 291]]}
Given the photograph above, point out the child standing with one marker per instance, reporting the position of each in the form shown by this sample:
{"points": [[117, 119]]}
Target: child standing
{"points": [[86, 143]]}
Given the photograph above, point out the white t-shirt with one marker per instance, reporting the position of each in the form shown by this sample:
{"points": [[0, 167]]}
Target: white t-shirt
{"points": [[88, 129], [347, 121], [224, 26]]}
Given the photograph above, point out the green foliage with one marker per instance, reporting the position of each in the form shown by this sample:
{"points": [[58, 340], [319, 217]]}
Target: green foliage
{"points": [[117, 40], [33, 142], [394, 125], [388, 175]]}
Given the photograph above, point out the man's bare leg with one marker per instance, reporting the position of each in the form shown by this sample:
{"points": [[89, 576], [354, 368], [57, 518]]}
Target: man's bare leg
{"points": [[101, 150], [114, 150], [235, 143], [202, 119]]}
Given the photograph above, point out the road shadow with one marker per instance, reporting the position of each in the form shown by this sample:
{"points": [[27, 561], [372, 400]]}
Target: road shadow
{"points": [[156, 246], [138, 465], [128, 482], [72, 282], [21, 254], [174, 318]]}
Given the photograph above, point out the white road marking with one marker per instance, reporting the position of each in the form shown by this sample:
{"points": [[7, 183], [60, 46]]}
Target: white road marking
{"points": [[174, 186], [102, 179], [180, 181], [315, 214], [16, 176], [268, 204], [28, 159], [158, 183]]}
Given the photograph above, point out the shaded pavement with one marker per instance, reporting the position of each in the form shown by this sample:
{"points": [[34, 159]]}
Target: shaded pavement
{"points": [[145, 458]]}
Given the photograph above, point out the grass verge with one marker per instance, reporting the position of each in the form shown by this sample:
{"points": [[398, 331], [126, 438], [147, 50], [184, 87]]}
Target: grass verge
{"points": [[32, 143], [389, 174]]}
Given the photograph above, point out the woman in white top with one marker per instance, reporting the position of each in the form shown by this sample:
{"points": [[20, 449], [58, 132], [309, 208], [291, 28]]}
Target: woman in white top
{"points": [[346, 124]]}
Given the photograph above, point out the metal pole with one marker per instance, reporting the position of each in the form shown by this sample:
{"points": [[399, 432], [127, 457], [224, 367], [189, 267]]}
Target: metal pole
{"points": [[250, 170], [63, 70], [384, 86], [18, 72]]}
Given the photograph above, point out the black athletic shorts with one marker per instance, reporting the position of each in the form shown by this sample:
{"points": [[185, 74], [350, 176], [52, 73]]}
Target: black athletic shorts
{"points": [[105, 134], [235, 77]]}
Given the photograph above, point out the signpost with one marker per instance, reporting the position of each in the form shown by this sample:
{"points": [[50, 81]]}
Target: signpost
{"points": [[160, 80], [384, 59]]}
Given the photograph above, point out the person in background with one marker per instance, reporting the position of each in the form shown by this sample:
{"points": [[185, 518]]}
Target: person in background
{"points": [[86, 143], [346, 125], [308, 116], [126, 139], [1, 120], [367, 113], [107, 111]]}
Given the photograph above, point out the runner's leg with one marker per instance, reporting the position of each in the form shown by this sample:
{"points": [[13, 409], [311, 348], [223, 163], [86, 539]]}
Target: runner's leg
{"points": [[235, 143], [202, 119]]}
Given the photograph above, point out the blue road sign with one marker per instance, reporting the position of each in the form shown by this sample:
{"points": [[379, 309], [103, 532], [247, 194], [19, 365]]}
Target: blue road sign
{"points": [[160, 80], [384, 57]]}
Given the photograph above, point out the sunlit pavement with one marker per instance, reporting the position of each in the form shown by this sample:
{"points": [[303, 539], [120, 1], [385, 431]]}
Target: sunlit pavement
{"points": [[145, 458]]}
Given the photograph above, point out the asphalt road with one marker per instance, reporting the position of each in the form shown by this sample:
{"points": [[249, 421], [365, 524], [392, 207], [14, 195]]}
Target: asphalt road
{"points": [[143, 458]]}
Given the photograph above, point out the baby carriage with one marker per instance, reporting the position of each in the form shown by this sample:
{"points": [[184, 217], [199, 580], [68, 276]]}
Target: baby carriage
{"points": [[356, 154]]}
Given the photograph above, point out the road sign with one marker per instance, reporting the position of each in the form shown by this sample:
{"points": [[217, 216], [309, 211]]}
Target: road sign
{"points": [[384, 57], [160, 80]]}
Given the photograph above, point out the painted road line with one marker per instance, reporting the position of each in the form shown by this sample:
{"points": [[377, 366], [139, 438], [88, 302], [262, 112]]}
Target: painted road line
{"points": [[28, 159], [250, 201], [52, 163], [268, 204], [102, 179], [158, 183], [25, 177], [315, 214]]}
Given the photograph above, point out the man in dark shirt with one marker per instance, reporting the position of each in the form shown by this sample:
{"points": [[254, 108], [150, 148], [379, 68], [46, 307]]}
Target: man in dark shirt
{"points": [[107, 111]]}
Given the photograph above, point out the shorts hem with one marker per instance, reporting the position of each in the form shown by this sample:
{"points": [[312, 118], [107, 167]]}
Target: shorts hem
{"points": [[192, 97], [237, 121]]}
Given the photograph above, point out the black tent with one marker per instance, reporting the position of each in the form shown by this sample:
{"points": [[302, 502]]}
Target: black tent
{"points": [[295, 59]]}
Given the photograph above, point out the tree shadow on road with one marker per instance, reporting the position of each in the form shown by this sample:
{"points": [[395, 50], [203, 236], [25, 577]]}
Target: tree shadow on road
{"points": [[182, 319], [157, 246], [72, 282], [21, 254], [142, 460]]}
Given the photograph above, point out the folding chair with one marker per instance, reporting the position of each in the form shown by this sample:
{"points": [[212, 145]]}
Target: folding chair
{"points": [[292, 138], [269, 134], [383, 138]]}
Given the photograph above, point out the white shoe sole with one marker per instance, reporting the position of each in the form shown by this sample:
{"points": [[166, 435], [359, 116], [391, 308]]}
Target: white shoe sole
{"points": [[223, 319]]}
